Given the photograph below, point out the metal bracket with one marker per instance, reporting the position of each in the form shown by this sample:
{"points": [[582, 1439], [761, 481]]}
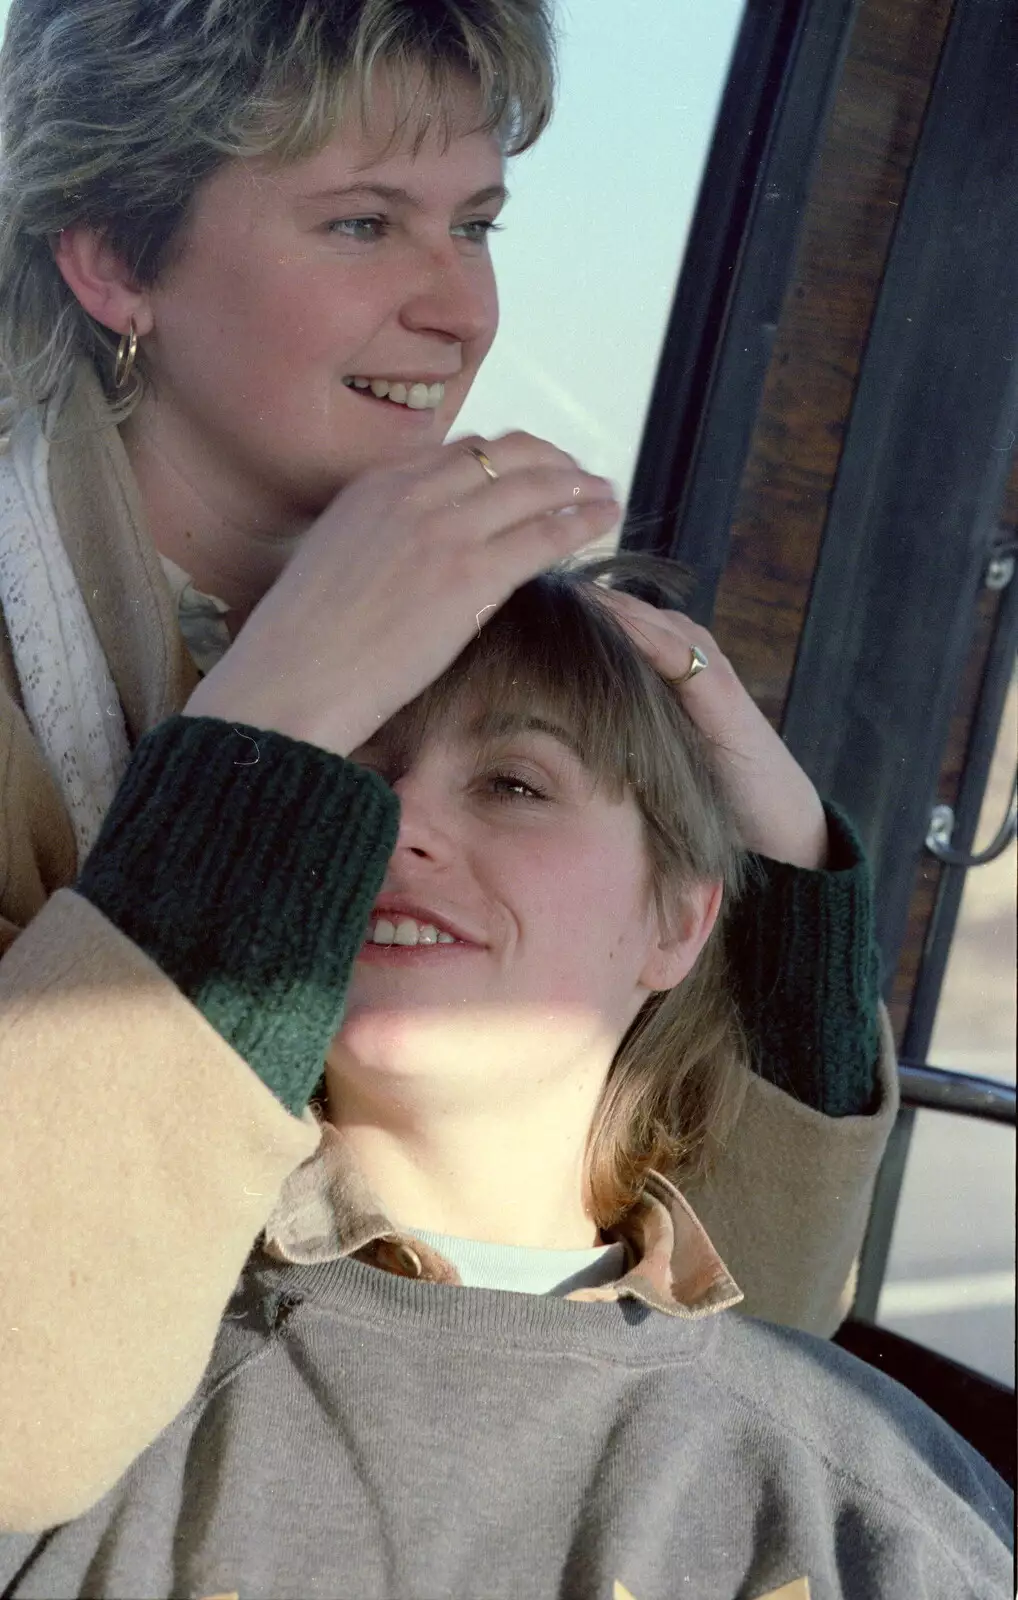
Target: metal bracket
{"points": [[999, 572], [938, 838], [1000, 567]]}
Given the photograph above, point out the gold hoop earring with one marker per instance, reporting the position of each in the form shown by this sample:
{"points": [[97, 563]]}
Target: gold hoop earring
{"points": [[127, 350]]}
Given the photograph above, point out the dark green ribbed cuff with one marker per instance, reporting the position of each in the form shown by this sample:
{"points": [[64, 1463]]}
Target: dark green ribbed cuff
{"points": [[246, 864], [806, 970]]}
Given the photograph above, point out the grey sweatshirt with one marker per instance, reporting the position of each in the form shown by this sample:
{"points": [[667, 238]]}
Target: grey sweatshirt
{"points": [[359, 1434]]}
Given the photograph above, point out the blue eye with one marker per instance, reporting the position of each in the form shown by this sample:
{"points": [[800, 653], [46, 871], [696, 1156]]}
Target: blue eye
{"points": [[478, 231], [512, 786], [350, 227]]}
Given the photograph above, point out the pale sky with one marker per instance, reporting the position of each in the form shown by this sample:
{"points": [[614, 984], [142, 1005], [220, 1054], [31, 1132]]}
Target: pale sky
{"points": [[597, 224]]}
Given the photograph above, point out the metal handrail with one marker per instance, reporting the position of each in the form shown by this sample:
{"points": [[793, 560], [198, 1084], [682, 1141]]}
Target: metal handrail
{"points": [[935, 1089], [942, 820]]}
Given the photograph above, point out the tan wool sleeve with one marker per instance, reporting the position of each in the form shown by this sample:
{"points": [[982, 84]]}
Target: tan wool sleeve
{"points": [[140, 1157], [788, 1202]]}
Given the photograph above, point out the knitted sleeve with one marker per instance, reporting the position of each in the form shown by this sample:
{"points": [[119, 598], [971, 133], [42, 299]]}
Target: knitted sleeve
{"points": [[806, 971], [245, 864]]}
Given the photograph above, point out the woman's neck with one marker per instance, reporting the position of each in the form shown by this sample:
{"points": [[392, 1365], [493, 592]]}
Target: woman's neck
{"points": [[226, 535], [506, 1175]]}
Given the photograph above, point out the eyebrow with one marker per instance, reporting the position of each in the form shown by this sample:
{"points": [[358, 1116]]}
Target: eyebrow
{"points": [[403, 197], [499, 725]]}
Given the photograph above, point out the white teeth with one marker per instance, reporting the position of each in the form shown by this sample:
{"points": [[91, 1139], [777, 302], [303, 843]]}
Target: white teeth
{"points": [[415, 396], [407, 931]]}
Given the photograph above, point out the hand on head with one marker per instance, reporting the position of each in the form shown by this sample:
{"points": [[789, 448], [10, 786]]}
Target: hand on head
{"points": [[777, 809], [392, 581]]}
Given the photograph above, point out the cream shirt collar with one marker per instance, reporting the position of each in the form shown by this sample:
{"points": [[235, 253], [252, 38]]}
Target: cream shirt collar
{"points": [[326, 1211]]}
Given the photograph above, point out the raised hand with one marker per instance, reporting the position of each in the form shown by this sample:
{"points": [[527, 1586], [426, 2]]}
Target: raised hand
{"points": [[778, 811], [388, 585]]}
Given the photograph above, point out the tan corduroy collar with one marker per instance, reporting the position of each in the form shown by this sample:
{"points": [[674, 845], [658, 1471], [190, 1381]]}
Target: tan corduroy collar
{"points": [[326, 1211]]}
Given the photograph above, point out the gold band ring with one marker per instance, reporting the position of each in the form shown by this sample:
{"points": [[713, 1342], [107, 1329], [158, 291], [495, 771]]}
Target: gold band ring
{"points": [[482, 460], [697, 663]]}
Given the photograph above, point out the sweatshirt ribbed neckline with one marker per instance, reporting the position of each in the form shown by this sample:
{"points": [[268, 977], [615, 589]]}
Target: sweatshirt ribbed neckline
{"points": [[359, 1294]]}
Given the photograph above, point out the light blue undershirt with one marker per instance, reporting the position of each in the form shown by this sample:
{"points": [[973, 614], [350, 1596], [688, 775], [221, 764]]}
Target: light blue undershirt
{"points": [[523, 1270]]}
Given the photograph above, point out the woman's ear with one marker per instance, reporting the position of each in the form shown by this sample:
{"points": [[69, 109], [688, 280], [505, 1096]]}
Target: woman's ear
{"points": [[682, 934], [99, 280]]}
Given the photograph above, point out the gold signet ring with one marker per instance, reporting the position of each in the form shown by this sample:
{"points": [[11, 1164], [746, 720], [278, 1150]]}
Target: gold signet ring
{"points": [[480, 457], [697, 663]]}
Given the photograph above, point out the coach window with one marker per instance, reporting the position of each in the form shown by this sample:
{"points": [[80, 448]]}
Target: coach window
{"points": [[597, 226]]}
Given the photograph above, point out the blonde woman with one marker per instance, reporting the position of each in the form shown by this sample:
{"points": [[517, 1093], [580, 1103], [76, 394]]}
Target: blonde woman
{"points": [[244, 289], [483, 1345]]}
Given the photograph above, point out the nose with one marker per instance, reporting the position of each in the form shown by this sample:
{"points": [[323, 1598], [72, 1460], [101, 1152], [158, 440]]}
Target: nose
{"points": [[455, 297], [426, 829]]}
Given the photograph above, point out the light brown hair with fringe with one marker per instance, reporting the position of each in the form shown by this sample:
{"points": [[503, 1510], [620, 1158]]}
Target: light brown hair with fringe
{"points": [[114, 112], [556, 650]]}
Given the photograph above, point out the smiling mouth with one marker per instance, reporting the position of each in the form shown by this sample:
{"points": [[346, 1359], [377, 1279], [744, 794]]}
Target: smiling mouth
{"points": [[407, 932], [414, 396]]}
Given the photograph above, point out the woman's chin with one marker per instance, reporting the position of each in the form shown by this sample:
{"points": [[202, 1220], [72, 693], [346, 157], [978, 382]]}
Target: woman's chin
{"points": [[393, 1043], [457, 1044]]}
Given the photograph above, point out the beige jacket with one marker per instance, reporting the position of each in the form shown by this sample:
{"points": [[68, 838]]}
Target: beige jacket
{"points": [[141, 1157]]}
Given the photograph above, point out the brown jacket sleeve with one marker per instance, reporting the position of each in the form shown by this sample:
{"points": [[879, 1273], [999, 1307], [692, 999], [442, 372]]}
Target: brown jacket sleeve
{"points": [[788, 1203], [139, 1154], [141, 1157]]}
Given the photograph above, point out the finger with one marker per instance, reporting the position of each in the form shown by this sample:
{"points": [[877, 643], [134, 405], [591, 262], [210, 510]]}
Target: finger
{"points": [[490, 510], [631, 605], [645, 622], [534, 546], [665, 638], [516, 448], [661, 625], [462, 473]]}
